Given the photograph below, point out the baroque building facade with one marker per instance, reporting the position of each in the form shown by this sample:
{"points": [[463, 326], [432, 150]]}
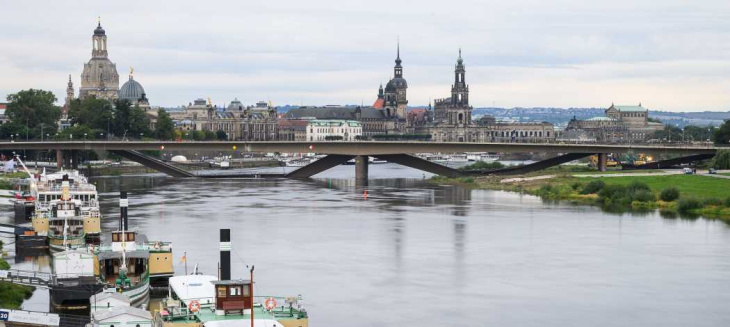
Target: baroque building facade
{"points": [[620, 124], [239, 122], [99, 78]]}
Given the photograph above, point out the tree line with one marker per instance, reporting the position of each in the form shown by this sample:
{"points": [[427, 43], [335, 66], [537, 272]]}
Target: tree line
{"points": [[33, 115]]}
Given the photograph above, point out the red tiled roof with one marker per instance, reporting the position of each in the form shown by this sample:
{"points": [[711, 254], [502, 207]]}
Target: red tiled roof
{"points": [[379, 103], [3, 106]]}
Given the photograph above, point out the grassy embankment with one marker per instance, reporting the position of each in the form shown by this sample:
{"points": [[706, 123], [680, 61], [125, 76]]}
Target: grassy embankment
{"points": [[11, 295], [6, 179], [686, 195]]}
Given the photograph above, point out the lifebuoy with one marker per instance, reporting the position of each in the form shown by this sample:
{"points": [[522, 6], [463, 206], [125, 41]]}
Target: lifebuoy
{"points": [[270, 304], [194, 306]]}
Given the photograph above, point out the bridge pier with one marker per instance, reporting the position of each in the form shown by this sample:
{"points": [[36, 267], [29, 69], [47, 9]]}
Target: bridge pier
{"points": [[602, 161], [361, 170], [59, 159]]}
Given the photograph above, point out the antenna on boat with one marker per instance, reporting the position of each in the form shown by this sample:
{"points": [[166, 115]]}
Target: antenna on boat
{"points": [[251, 292]]}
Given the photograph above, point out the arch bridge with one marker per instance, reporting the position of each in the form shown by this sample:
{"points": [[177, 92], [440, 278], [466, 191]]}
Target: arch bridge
{"points": [[338, 152]]}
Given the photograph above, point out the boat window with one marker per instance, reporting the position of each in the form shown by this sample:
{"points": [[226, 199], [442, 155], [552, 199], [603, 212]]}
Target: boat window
{"points": [[246, 289], [115, 237], [221, 291], [130, 237], [235, 291]]}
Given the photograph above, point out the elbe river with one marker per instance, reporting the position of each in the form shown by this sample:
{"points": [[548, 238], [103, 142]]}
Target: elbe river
{"points": [[416, 254]]}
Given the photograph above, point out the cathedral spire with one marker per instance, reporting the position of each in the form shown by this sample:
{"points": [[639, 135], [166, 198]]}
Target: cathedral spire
{"points": [[397, 58]]}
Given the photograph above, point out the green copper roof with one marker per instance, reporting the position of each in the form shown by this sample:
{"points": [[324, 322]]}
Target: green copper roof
{"points": [[631, 108]]}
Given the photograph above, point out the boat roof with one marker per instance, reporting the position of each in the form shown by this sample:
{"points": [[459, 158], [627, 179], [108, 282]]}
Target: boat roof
{"points": [[193, 287], [103, 296], [231, 282], [102, 315]]}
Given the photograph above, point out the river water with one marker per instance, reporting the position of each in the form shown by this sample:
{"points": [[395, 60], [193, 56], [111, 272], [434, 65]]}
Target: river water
{"points": [[416, 254]]}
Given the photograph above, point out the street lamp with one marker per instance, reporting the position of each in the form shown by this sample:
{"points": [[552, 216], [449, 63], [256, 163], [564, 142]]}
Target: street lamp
{"points": [[141, 135], [84, 136]]}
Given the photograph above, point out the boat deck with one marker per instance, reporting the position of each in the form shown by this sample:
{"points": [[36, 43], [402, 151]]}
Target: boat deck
{"points": [[206, 314]]}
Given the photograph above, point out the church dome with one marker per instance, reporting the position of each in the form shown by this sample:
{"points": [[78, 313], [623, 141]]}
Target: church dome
{"points": [[99, 30], [396, 83], [131, 91]]}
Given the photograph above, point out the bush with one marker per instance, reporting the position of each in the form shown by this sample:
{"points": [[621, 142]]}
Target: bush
{"points": [[614, 194], [712, 202], [669, 194], [483, 165], [727, 202], [593, 187], [688, 204], [637, 186], [575, 186], [643, 196]]}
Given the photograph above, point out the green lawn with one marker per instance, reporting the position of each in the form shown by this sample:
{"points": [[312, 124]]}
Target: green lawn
{"points": [[688, 185]]}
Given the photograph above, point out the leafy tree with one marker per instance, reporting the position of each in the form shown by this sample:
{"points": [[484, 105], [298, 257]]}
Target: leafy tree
{"points": [[210, 135], [669, 133], [722, 134], [221, 135], [164, 128], [9, 129], [721, 160], [698, 133], [32, 108], [77, 132], [138, 123], [93, 113]]}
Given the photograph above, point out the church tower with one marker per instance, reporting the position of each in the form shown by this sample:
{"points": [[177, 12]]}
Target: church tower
{"points": [[395, 91], [460, 91], [69, 92], [99, 78]]}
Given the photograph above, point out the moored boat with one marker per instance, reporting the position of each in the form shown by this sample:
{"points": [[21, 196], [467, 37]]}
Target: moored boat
{"points": [[128, 262], [224, 302]]}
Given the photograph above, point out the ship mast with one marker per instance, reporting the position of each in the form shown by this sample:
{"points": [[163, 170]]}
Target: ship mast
{"points": [[123, 204]]}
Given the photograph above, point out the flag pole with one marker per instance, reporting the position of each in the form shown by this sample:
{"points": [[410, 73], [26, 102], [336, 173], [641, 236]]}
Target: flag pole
{"points": [[185, 255]]}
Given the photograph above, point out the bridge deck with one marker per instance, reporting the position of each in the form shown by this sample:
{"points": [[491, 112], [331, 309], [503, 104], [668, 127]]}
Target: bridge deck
{"points": [[372, 148]]}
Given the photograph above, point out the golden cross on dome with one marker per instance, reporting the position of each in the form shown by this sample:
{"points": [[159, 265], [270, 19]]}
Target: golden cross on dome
{"points": [[131, 72]]}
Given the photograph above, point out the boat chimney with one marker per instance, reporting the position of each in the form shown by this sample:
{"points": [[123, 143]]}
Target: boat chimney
{"points": [[123, 204], [225, 248]]}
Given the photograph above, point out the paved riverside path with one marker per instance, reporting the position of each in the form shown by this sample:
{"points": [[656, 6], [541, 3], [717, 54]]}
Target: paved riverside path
{"points": [[663, 173]]}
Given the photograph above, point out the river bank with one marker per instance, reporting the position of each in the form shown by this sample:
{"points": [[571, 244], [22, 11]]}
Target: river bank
{"points": [[11, 295], [672, 193]]}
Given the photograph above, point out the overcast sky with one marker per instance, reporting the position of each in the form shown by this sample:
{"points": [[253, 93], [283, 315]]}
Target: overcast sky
{"points": [[670, 55]]}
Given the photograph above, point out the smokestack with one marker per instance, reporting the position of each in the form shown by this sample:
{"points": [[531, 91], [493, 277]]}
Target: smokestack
{"points": [[225, 247], [123, 204]]}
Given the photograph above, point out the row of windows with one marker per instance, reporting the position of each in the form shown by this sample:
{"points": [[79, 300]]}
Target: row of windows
{"points": [[51, 197]]}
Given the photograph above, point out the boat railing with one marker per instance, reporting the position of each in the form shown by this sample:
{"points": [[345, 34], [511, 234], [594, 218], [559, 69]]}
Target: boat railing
{"points": [[289, 306]]}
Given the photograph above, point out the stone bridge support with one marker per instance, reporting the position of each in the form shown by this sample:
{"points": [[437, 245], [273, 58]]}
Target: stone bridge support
{"points": [[361, 170], [602, 162]]}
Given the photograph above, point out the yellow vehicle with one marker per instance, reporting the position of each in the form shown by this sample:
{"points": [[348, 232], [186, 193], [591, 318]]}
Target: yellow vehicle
{"points": [[610, 162]]}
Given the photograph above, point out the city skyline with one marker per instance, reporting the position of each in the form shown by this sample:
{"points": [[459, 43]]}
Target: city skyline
{"points": [[530, 54]]}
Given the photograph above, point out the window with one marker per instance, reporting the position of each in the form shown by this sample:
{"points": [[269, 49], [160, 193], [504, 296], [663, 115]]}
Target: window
{"points": [[221, 291], [116, 237], [235, 291]]}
